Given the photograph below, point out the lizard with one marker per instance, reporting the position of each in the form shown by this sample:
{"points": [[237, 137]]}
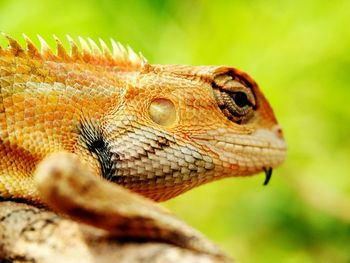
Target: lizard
{"points": [[98, 136]]}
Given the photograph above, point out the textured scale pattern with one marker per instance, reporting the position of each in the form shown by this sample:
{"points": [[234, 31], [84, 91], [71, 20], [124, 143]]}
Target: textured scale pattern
{"points": [[71, 119], [41, 100], [47, 98]]}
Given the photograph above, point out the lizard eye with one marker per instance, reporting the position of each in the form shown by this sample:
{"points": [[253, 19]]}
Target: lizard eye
{"points": [[234, 98], [240, 98]]}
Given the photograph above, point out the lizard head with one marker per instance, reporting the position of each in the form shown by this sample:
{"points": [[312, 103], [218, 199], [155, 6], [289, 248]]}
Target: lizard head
{"points": [[179, 126]]}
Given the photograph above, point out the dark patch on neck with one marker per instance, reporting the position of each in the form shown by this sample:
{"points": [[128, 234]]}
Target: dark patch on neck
{"points": [[92, 137]]}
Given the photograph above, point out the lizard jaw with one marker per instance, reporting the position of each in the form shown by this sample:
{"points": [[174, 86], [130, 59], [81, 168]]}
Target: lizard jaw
{"points": [[244, 154]]}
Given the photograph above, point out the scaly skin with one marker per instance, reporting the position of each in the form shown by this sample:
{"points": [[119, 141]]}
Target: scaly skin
{"points": [[158, 130]]}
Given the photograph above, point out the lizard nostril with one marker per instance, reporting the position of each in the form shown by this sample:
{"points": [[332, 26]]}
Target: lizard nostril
{"points": [[278, 131]]}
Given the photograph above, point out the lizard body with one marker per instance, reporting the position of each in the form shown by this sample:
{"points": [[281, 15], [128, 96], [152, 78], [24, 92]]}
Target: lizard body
{"points": [[157, 130]]}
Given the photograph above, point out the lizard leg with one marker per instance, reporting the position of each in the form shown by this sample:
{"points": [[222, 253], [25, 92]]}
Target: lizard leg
{"points": [[70, 187]]}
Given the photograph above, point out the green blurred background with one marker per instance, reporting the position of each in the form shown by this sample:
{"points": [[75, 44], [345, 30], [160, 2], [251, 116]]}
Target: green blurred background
{"points": [[299, 53]]}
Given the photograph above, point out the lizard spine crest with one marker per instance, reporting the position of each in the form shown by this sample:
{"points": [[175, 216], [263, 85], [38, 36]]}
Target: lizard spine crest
{"points": [[89, 52]]}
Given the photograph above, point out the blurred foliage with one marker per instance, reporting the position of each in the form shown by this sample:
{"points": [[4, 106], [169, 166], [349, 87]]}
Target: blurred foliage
{"points": [[299, 52]]}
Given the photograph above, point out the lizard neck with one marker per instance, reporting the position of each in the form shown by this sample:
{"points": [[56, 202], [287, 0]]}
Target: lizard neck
{"points": [[41, 110]]}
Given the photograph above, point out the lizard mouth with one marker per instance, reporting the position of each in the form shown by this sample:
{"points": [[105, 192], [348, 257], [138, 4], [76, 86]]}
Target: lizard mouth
{"points": [[245, 154]]}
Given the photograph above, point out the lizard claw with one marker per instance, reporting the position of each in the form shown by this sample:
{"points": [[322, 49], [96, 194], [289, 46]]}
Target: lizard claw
{"points": [[268, 174]]}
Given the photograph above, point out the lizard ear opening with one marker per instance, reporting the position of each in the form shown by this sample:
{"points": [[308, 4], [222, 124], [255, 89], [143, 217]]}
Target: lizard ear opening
{"points": [[235, 99], [162, 111]]}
